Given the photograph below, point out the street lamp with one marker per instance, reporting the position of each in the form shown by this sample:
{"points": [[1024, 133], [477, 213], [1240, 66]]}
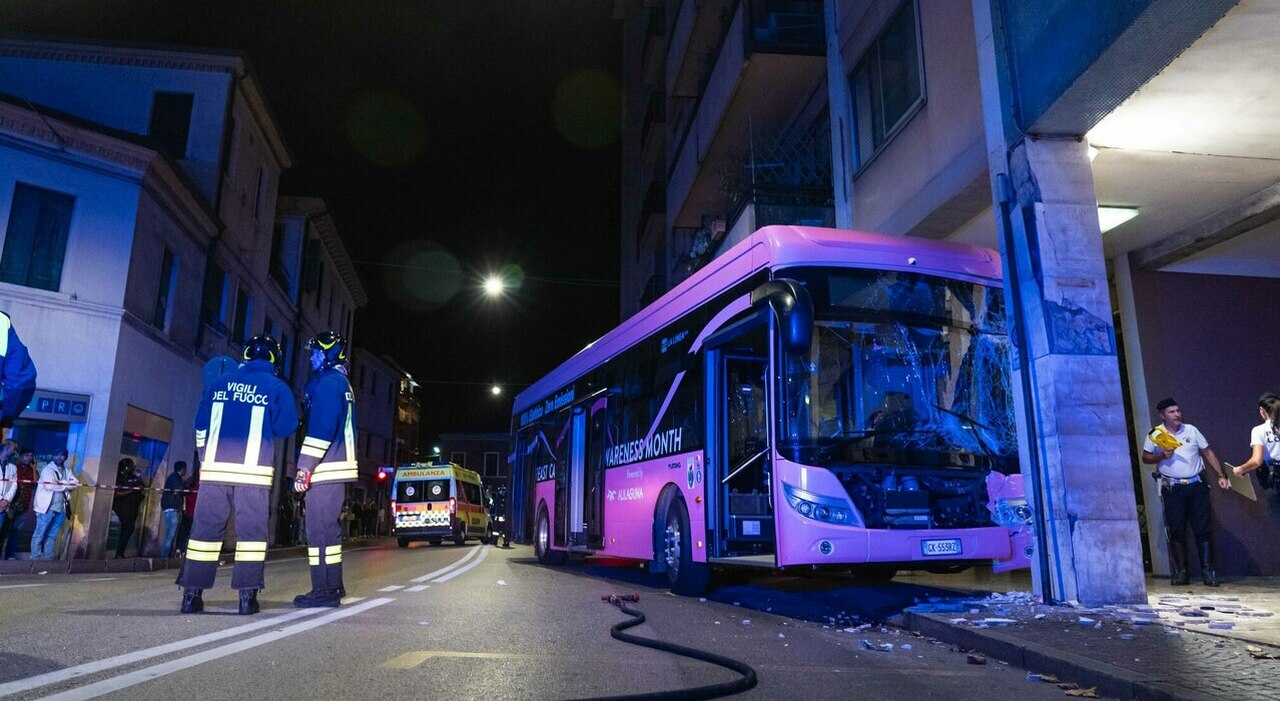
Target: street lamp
{"points": [[495, 390], [494, 286]]}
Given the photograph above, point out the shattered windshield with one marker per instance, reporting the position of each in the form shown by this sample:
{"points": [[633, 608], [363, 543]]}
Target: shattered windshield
{"points": [[903, 368]]}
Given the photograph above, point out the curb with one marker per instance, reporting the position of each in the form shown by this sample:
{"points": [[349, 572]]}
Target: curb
{"points": [[1109, 679]]}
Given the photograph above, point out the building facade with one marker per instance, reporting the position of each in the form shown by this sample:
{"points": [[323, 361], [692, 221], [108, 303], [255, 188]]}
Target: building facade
{"points": [[1120, 158], [485, 453], [138, 192]]}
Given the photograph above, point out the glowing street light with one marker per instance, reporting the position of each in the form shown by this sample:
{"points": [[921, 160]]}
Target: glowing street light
{"points": [[495, 390], [494, 286]]}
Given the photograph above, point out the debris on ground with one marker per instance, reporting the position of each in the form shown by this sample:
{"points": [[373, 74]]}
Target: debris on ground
{"points": [[973, 658], [1090, 693], [877, 647]]}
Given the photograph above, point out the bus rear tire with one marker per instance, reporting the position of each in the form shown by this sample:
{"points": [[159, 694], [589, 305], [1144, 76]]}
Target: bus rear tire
{"points": [[542, 541], [402, 542], [686, 577]]}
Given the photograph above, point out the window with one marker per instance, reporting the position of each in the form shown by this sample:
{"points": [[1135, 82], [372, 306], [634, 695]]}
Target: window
{"points": [[36, 243], [286, 349], [887, 86], [277, 270], [269, 326], [213, 303], [166, 291], [260, 197], [244, 312], [171, 122], [490, 464], [458, 458]]}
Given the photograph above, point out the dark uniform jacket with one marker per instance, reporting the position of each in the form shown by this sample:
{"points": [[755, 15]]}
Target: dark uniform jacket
{"points": [[17, 373], [329, 450], [241, 415]]}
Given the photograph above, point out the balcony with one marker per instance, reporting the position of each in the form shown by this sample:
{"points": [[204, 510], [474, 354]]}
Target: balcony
{"points": [[769, 58]]}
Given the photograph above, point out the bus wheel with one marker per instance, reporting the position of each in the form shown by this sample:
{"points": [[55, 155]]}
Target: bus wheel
{"points": [[402, 542], [876, 574], [542, 541], [685, 576]]}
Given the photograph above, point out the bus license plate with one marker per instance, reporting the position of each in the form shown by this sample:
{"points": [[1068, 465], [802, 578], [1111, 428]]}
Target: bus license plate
{"points": [[940, 546]]}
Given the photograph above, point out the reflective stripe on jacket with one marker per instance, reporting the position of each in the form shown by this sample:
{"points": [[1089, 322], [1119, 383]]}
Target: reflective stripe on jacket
{"points": [[329, 449], [239, 419]]}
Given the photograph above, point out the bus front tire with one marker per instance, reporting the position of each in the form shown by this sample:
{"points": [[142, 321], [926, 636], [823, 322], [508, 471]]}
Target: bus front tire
{"points": [[686, 577], [402, 542], [542, 541]]}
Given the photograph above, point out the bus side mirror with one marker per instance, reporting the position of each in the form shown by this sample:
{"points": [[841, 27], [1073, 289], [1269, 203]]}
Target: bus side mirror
{"points": [[793, 307]]}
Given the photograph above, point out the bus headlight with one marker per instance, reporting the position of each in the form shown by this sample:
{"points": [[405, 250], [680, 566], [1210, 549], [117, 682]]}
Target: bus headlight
{"points": [[819, 507], [1012, 513]]}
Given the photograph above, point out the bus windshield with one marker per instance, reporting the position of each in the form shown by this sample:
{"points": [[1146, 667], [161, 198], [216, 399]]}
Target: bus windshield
{"points": [[904, 368]]}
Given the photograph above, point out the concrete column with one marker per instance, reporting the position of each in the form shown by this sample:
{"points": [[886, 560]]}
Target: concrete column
{"points": [[840, 119], [1074, 449]]}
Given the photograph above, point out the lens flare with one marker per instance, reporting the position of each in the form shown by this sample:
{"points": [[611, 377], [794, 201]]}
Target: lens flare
{"points": [[420, 276], [586, 108], [385, 129]]}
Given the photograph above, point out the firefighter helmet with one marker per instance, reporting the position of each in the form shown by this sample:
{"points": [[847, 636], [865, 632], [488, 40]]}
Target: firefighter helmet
{"points": [[332, 344], [263, 347]]}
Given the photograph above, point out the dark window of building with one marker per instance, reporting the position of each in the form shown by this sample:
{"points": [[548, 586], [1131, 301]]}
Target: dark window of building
{"points": [[491, 464], [36, 243], [887, 86], [171, 122], [244, 312], [165, 292], [311, 266], [286, 349], [260, 196], [278, 271], [213, 303], [458, 458]]}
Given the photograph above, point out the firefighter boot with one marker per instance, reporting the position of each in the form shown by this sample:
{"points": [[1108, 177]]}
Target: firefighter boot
{"points": [[1206, 564], [1178, 574], [249, 602], [192, 602], [318, 598]]}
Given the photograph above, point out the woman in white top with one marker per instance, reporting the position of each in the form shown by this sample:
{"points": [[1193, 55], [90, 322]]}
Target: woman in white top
{"points": [[1265, 437]]}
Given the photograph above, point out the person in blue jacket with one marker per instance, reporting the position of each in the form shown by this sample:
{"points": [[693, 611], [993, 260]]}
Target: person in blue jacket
{"points": [[326, 463], [17, 374], [240, 417]]}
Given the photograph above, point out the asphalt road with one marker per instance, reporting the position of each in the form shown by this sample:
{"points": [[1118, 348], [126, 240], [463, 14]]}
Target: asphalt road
{"points": [[469, 622]]}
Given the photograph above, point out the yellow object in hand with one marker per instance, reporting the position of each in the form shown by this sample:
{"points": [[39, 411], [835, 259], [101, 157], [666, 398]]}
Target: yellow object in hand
{"points": [[1163, 439]]}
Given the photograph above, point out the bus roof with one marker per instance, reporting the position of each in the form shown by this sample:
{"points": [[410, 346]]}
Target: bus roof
{"points": [[774, 247]]}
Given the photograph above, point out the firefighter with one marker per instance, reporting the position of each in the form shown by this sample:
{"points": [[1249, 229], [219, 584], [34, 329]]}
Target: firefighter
{"points": [[326, 463], [240, 416], [17, 374]]}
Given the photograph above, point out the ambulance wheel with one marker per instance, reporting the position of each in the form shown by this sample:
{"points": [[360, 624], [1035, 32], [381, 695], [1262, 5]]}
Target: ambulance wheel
{"points": [[402, 542], [434, 541], [686, 577], [460, 536], [542, 541]]}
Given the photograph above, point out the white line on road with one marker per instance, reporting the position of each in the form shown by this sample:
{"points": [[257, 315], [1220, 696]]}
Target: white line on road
{"points": [[100, 579], [450, 568], [393, 587], [61, 675], [146, 674], [20, 586], [444, 578], [418, 587]]}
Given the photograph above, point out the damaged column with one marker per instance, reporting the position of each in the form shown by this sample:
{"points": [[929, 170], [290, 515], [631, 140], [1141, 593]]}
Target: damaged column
{"points": [[1072, 431]]}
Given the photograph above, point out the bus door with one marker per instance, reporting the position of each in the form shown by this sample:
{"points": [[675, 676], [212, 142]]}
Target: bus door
{"points": [[739, 453], [585, 493]]}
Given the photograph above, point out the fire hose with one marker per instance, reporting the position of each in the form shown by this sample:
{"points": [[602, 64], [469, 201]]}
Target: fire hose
{"points": [[711, 691]]}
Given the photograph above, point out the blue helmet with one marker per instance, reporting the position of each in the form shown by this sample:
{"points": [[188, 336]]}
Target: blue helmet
{"points": [[332, 344], [263, 347]]}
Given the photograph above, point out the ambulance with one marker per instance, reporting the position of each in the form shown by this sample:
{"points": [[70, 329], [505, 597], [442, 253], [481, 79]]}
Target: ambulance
{"points": [[435, 502]]}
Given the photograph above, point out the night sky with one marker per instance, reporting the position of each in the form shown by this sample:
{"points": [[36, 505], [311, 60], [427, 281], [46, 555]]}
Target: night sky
{"points": [[450, 140]]}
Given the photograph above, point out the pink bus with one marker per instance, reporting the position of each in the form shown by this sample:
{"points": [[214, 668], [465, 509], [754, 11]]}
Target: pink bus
{"points": [[810, 397]]}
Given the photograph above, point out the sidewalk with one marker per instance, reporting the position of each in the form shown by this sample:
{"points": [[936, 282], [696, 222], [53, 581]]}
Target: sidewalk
{"points": [[141, 564], [1186, 643]]}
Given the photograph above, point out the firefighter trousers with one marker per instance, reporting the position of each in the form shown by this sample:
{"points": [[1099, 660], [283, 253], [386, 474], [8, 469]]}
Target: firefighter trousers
{"points": [[324, 534], [216, 504]]}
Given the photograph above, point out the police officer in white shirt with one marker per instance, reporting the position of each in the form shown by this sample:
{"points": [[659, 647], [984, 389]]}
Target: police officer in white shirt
{"points": [[1265, 441], [1185, 491]]}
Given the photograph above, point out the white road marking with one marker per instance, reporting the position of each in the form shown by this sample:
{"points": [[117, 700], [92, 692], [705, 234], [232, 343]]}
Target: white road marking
{"points": [[444, 578], [21, 586], [418, 587], [100, 579], [393, 587], [146, 674], [61, 675], [450, 568]]}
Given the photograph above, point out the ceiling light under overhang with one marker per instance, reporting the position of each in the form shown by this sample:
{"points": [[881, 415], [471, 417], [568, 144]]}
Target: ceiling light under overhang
{"points": [[1111, 217]]}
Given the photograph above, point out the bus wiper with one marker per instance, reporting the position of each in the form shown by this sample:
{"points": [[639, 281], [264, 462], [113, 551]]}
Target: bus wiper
{"points": [[824, 451], [974, 426]]}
